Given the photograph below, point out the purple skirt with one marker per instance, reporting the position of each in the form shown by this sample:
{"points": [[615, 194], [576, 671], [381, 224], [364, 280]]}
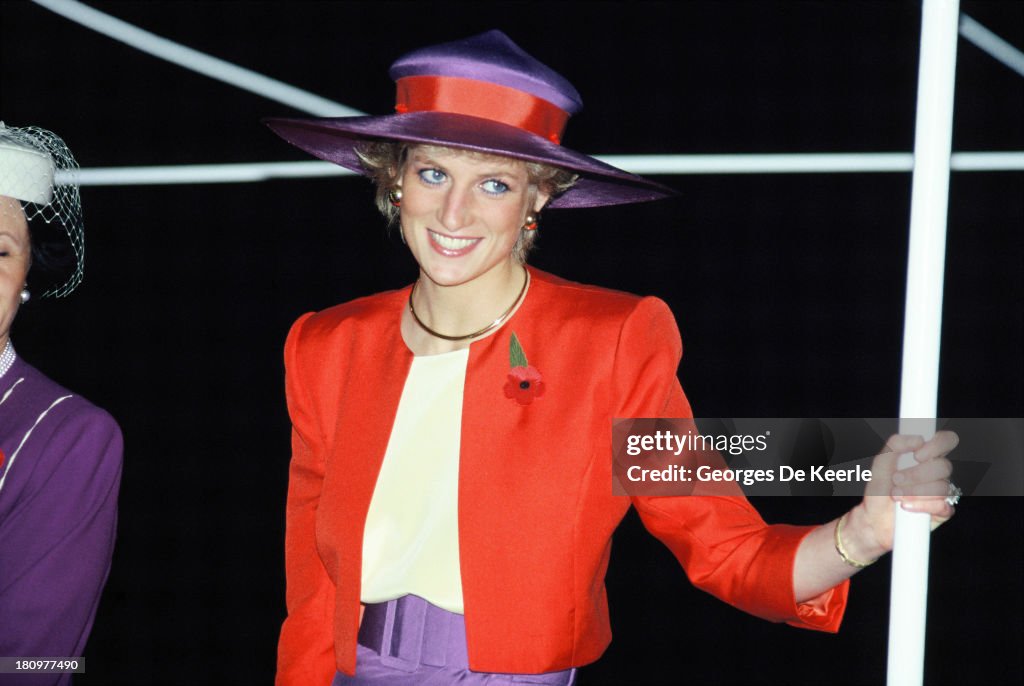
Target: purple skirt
{"points": [[409, 642]]}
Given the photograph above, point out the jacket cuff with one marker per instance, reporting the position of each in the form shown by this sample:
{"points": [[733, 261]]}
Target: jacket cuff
{"points": [[823, 612]]}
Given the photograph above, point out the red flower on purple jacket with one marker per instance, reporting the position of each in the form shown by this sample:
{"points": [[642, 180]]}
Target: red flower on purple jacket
{"points": [[524, 382]]}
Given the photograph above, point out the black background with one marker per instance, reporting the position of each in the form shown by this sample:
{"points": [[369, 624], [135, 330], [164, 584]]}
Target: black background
{"points": [[788, 290]]}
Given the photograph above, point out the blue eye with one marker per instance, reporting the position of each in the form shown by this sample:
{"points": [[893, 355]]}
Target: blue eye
{"points": [[495, 187], [432, 176]]}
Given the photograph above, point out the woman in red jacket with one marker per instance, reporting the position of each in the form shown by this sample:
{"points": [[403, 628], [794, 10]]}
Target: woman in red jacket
{"points": [[450, 506]]}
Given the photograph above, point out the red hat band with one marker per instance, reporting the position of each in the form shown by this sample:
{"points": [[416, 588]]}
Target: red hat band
{"points": [[474, 98]]}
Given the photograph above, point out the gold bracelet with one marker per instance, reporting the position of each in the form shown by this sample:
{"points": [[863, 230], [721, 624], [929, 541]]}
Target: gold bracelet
{"points": [[842, 550]]}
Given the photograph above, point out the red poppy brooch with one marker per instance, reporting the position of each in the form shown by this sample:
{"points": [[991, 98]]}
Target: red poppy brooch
{"points": [[524, 382]]}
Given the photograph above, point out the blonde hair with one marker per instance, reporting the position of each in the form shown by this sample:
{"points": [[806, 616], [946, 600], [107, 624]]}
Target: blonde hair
{"points": [[384, 162]]}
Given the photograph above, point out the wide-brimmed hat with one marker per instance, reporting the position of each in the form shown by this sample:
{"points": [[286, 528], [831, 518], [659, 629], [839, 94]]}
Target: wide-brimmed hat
{"points": [[482, 93]]}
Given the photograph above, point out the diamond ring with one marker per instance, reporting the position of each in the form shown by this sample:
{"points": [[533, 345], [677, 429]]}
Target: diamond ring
{"points": [[954, 494]]}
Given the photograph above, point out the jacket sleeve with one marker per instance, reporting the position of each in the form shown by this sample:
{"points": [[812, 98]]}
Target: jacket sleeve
{"points": [[306, 647], [57, 542], [721, 541]]}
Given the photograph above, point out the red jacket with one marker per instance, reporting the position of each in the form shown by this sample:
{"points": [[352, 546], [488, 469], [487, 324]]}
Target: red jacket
{"points": [[536, 510]]}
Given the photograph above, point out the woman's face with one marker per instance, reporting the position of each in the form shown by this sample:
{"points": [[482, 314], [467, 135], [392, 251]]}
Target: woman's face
{"points": [[462, 213], [15, 256]]}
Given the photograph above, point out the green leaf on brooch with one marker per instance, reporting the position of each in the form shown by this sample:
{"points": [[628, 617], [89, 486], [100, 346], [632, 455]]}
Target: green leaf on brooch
{"points": [[516, 356]]}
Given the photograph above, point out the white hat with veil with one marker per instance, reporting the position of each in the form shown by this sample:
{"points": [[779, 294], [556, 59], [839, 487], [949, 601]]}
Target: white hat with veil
{"points": [[38, 170]]}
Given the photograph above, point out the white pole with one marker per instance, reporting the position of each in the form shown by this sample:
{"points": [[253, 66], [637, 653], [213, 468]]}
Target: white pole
{"points": [[197, 61], [923, 324], [992, 44], [245, 172]]}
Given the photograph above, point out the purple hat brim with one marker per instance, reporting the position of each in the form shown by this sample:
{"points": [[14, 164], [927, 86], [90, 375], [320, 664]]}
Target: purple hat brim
{"points": [[335, 139]]}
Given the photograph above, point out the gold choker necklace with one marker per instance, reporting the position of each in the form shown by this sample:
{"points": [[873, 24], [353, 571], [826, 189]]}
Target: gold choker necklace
{"points": [[487, 329]]}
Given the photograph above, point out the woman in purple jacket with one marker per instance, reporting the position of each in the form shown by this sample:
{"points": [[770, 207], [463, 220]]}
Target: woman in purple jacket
{"points": [[60, 456]]}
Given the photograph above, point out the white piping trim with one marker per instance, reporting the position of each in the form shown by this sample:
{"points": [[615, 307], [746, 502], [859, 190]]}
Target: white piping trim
{"points": [[10, 463], [11, 390]]}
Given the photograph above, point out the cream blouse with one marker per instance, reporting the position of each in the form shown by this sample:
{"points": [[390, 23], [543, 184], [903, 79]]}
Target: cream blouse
{"points": [[411, 539]]}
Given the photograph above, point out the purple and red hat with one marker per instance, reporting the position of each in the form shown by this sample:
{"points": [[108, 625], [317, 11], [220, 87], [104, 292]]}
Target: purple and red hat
{"points": [[482, 93]]}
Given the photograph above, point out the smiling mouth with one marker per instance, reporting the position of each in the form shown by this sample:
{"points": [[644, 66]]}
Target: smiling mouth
{"points": [[450, 245]]}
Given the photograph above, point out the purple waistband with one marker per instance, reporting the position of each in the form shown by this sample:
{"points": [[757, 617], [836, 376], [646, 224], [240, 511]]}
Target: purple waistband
{"points": [[408, 632]]}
